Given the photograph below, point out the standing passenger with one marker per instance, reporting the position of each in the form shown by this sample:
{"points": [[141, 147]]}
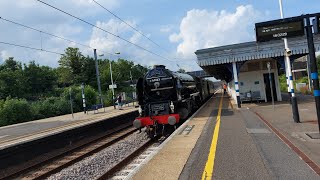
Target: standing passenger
{"points": [[224, 89], [119, 99]]}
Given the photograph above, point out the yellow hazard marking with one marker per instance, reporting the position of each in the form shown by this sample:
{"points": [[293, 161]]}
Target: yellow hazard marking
{"points": [[208, 170]]}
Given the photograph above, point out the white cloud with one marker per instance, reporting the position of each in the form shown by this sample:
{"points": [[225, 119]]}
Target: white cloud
{"points": [[166, 29], [42, 17], [203, 29], [4, 55], [109, 43], [102, 40]]}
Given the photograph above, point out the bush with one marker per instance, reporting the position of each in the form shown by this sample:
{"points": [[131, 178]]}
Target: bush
{"points": [[76, 98], [108, 98], [305, 90], [90, 94], [14, 111], [283, 83], [53, 106], [303, 80]]}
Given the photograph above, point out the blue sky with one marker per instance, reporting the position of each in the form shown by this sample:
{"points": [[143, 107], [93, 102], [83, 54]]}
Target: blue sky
{"points": [[180, 27]]}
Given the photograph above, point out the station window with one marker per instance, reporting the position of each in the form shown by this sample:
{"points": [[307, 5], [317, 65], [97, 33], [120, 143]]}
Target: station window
{"points": [[256, 82]]}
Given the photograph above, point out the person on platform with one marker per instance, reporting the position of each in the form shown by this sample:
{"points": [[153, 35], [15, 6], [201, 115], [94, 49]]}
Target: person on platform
{"points": [[224, 88], [119, 99]]}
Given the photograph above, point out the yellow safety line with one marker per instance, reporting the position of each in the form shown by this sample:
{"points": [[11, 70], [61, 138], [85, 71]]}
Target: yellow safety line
{"points": [[208, 170]]}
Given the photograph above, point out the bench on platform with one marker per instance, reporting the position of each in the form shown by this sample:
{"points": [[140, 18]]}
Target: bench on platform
{"points": [[96, 107], [250, 96]]}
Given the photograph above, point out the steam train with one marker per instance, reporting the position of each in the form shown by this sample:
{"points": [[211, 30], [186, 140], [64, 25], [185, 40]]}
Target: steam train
{"points": [[167, 98]]}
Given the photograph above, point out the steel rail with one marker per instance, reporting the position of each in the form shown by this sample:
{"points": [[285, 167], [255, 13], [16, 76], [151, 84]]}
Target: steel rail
{"points": [[55, 164]]}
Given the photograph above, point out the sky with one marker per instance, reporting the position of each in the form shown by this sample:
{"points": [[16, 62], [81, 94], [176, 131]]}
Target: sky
{"points": [[170, 31]]}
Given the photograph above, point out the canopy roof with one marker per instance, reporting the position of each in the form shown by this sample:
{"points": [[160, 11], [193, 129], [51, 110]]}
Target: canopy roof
{"points": [[213, 60]]}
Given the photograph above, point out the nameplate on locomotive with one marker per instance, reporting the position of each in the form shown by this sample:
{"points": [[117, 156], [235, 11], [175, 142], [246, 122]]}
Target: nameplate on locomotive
{"points": [[159, 79], [157, 107]]}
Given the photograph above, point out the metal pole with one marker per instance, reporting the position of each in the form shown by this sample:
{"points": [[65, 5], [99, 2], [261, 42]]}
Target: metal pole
{"points": [[83, 99], [71, 106], [236, 84], [133, 87], [287, 79], [270, 81], [308, 71], [281, 9], [295, 110], [285, 61], [314, 69], [114, 106], [98, 75]]}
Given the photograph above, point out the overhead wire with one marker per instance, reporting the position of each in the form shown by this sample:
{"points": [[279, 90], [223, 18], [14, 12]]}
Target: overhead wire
{"points": [[103, 30], [28, 47], [135, 29], [50, 34]]}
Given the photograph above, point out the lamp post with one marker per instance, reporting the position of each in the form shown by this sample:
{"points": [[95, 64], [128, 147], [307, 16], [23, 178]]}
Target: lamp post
{"points": [[112, 87], [287, 53], [98, 75], [112, 82]]}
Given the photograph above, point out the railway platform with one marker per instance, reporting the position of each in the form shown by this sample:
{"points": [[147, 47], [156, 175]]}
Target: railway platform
{"points": [[25, 142], [19, 133], [254, 142]]}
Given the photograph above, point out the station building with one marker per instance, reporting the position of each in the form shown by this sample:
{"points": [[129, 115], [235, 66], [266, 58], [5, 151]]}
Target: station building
{"points": [[244, 66]]}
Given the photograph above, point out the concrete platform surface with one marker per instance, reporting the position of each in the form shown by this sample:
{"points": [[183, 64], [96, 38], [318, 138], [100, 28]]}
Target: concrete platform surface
{"points": [[247, 147], [302, 136], [28, 131], [170, 161]]}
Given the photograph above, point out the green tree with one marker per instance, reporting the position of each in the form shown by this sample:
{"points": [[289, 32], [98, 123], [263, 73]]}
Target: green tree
{"points": [[121, 73], [41, 79], [15, 111], [90, 94], [12, 80], [72, 65], [11, 65], [89, 72]]}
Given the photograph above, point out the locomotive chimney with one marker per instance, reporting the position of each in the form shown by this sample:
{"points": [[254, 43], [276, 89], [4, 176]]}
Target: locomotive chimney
{"points": [[159, 66]]}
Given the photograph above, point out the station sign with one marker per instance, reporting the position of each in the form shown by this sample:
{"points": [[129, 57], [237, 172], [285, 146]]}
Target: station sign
{"points": [[113, 87], [281, 28]]}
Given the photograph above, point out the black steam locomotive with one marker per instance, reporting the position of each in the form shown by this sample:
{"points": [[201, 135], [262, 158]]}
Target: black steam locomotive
{"points": [[166, 98]]}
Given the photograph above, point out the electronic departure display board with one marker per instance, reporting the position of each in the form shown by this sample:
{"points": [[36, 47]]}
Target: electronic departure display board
{"points": [[277, 29]]}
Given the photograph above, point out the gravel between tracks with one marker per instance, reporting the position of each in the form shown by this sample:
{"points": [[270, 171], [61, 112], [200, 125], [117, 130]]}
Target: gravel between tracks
{"points": [[99, 163]]}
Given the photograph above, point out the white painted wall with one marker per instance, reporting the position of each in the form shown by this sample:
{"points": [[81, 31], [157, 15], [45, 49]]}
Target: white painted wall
{"points": [[231, 90], [247, 81]]}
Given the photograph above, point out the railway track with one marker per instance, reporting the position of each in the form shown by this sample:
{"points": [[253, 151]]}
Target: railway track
{"points": [[111, 173], [122, 166], [46, 168], [133, 162]]}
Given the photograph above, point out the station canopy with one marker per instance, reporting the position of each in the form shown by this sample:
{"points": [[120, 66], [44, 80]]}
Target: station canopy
{"points": [[217, 61]]}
